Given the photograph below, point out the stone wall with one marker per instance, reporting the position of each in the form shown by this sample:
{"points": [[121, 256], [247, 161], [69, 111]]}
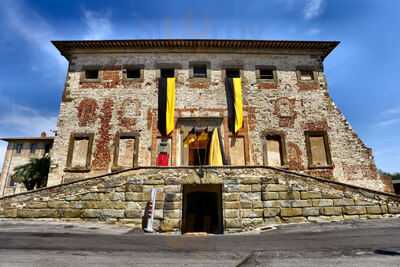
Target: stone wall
{"points": [[289, 106], [251, 197]]}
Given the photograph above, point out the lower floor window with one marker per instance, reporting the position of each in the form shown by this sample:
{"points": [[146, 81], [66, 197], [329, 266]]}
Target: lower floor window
{"points": [[80, 150], [126, 150], [318, 149], [274, 150]]}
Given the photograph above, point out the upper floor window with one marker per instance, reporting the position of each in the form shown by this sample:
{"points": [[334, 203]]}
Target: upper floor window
{"points": [[305, 74], [200, 71], [232, 73], [265, 73], [18, 148], [92, 74], [133, 73], [318, 149], [167, 73], [33, 148]]}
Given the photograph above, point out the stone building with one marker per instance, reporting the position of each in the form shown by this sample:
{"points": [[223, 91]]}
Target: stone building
{"points": [[19, 151], [143, 114]]}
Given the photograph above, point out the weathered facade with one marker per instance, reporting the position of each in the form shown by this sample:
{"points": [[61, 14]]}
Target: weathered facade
{"points": [[292, 133], [20, 151]]}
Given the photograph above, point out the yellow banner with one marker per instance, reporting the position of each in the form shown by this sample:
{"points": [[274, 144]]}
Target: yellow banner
{"points": [[170, 120], [238, 103], [215, 156]]}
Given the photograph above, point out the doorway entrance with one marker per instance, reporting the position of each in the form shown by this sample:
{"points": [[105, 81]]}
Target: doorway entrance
{"points": [[202, 208]]}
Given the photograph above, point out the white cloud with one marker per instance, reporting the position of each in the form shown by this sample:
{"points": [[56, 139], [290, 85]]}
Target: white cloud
{"points": [[313, 31], [33, 28], [391, 111], [98, 24], [26, 121], [388, 122], [313, 9]]}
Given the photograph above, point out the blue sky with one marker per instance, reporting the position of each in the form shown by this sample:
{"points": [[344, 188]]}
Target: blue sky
{"points": [[362, 72]]}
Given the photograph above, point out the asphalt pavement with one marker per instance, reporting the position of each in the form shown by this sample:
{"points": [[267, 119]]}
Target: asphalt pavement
{"points": [[44, 243]]}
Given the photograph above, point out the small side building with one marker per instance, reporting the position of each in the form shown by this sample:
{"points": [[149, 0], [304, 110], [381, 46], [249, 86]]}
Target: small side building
{"points": [[19, 151]]}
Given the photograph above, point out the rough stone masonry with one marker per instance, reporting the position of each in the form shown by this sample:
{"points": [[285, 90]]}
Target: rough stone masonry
{"points": [[292, 133]]}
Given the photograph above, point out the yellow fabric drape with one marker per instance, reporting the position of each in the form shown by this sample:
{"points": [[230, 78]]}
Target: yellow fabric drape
{"points": [[238, 103], [170, 120], [215, 155]]}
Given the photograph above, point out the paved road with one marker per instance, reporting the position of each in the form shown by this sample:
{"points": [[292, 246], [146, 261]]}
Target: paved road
{"points": [[371, 243]]}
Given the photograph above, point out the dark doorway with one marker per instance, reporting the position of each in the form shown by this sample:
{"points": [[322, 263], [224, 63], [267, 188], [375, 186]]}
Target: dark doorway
{"points": [[202, 209], [198, 153]]}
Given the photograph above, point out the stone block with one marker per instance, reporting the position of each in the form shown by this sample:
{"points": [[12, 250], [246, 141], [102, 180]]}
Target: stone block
{"points": [[172, 205], [277, 204], [250, 180], [331, 211], [70, 213], [374, 209], [231, 196], [393, 208], [291, 195], [270, 195], [257, 204], [246, 204], [90, 213], [354, 210], [310, 194], [332, 195], [134, 188], [231, 204], [173, 197], [173, 189], [112, 213], [37, 213], [271, 212], [322, 202], [134, 213], [36, 205], [276, 188], [10, 213], [248, 213], [343, 202], [231, 213], [117, 196], [272, 220], [232, 223], [311, 211], [351, 217], [172, 214], [291, 212], [245, 188], [168, 225], [256, 188], [134, 196], [301, 203], [57, 204], [295, 219]]}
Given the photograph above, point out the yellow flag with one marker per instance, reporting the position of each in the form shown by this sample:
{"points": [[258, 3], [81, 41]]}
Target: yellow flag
{"points": [[238, 103], [170, 120], [215, 156]]}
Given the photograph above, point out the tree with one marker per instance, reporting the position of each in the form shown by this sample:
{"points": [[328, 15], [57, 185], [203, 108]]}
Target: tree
{"points": [[33, 174]]}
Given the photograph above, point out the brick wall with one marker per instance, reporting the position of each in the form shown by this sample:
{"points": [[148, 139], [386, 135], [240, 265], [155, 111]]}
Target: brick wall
{"points": [[117, 105]]}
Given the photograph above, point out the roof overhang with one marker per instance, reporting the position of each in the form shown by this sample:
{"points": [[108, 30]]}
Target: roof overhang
{"points": [[66, 48], [13, 139]]}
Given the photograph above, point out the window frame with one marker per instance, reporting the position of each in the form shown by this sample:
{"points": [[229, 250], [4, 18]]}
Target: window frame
{"points": [[139, 67], [73, 138], [299, 69], [89, 68], [193, 64], [121, 135], [324, 134], [283, 151], [266, 67], [18, 148], [33, 148]]}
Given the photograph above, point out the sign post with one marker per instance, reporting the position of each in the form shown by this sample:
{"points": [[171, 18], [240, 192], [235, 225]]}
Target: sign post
{"points": [[149, 227]]}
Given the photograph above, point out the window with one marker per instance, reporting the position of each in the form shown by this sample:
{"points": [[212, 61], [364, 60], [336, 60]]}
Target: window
{"points": [[233, 73], [266, 74], [318, 149], [200, 71], [11, 182], [33, 148], [133, 73], [167, 73], [275, 153], [18, 148], [47, 148], [163, 156], [79, 152], [126, 150], [237, 151], [306, 75], [92, 74]]}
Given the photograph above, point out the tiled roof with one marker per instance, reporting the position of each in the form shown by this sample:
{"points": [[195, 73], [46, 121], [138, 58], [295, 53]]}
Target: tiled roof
{"points": [[66, 46]]}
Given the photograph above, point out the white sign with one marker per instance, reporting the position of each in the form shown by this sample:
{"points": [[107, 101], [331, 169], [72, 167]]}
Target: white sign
{"points": [[149, 227]]}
